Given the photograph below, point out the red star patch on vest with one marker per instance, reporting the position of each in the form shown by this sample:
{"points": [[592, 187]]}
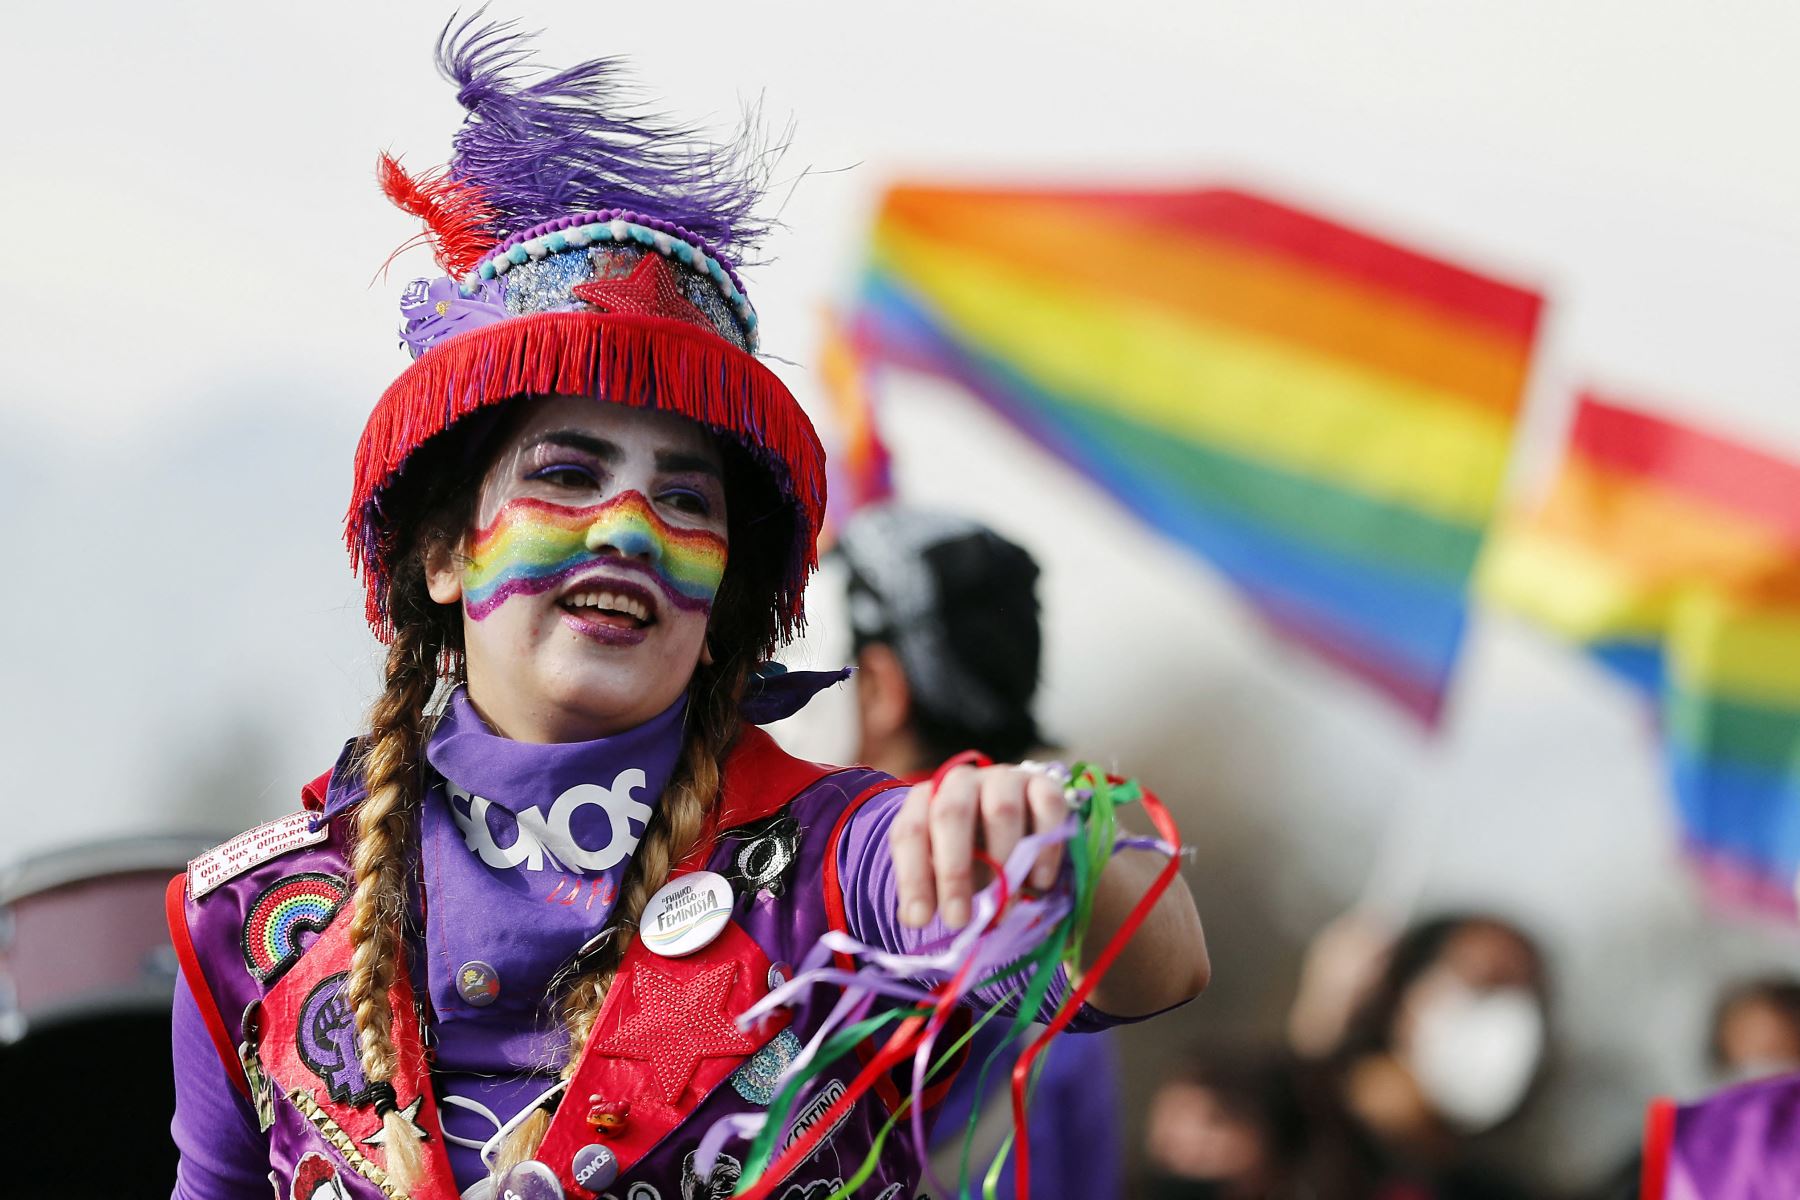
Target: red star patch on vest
{"points": [[678, 1023], [664, 1039], [649, 289]]}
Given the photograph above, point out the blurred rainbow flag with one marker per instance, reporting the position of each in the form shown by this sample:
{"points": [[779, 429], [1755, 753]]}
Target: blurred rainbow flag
{"points": [[1731, 721], [1641, 509], [857, 466], [1327, 417], [1673, 555]]}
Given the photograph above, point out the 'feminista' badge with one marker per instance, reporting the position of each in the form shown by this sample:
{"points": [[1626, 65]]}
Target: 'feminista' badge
{"points": [[688, 913]]}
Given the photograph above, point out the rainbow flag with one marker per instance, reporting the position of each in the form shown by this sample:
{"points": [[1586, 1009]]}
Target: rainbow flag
{"points": [[858, 468], [1673, 556], [1641, 510], [1731, 721], [1324, 415]]}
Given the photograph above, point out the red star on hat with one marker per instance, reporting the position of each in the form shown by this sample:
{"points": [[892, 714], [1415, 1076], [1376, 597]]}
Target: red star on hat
{"points": [[649, 289], [678, 1023]]}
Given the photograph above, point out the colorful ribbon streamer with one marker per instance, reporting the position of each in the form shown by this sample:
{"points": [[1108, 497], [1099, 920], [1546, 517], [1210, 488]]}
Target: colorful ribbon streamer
{"points": [[1014, 934]]}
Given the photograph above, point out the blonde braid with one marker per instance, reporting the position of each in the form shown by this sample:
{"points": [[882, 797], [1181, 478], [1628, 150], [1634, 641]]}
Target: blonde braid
{"points": [[379, 862], [674, 831]]}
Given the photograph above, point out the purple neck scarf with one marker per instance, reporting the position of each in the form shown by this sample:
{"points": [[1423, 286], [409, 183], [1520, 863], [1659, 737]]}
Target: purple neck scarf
{"points": [[524, 847]]}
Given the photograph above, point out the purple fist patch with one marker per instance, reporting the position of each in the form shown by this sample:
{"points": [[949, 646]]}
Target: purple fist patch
{"points": [[326, 1038]]}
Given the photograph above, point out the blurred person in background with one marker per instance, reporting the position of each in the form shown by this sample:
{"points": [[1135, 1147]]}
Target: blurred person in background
{"points": [[1753, 1041], [1434, 1039], [1744, 1139], [1756, 1029], [947, 642], [1251, 1126]]}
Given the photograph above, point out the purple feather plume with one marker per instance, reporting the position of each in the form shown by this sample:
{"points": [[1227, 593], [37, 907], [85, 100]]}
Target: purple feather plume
{"points": [[545, 146]]}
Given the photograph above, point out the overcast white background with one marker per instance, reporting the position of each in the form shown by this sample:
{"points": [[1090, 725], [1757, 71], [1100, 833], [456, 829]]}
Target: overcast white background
{"points": [[191, 341]]}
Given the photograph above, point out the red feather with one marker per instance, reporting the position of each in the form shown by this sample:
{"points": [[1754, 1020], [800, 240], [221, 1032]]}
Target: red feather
{"points": [[459, 225]]}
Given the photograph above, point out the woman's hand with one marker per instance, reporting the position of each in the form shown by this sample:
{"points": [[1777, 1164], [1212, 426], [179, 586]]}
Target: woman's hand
{"points": [[933, 841], [936, 832]]}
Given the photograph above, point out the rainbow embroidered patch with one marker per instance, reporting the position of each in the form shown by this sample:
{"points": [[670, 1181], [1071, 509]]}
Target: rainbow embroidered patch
{"points": [[283, 911]]}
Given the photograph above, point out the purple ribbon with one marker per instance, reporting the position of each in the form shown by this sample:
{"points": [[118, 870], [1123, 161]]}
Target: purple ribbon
{"points": [[1022, 926]]}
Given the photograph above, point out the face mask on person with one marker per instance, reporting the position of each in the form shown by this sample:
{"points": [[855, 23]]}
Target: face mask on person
{"points": [[1474, 1053]]}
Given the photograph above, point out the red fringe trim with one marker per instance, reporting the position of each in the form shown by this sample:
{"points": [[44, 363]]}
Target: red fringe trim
{"points": [[645, 362]]}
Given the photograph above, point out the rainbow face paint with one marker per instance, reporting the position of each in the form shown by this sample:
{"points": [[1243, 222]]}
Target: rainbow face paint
{"points": [[533, 546]]}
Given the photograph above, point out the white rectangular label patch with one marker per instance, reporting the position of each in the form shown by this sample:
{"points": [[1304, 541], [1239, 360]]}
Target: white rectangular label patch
{"points": [[251, 848], [814, 1112]]}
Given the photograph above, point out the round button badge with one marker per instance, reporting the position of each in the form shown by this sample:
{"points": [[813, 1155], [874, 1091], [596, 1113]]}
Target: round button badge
{"points": [[595, 1166], [530, 1180], [477, 983], [687, 914]]}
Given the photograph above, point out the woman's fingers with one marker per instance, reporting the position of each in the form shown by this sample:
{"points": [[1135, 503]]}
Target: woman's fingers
{"points": [[909, 841], [1044, 795], [952, 814], [934, 836], [1003, 814]]}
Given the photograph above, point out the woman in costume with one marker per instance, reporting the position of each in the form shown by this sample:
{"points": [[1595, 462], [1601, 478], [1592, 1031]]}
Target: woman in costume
{"points": [[552, 926]]}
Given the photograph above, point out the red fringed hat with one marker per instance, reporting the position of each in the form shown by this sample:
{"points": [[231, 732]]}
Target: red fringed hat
{"points": [[586, 250]]}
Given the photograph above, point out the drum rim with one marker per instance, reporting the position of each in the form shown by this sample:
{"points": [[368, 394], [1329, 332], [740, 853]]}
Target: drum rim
{"points": [[79, 862]]}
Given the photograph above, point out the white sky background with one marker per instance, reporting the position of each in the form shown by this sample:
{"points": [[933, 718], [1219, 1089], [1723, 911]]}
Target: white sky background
{"points": [[191, 343]]}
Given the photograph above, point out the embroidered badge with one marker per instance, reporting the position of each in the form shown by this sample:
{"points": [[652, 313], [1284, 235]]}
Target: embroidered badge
{"points": [[678, 1023], [665, 1037], [830, 1092], [251, 849], [718, 1186], [755, 1080], [292, 905], [325, 1036], [317, 1179], [765, 854]]}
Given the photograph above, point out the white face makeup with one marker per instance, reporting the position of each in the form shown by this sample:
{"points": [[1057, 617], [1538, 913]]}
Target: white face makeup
{"points": [[587, 580]]}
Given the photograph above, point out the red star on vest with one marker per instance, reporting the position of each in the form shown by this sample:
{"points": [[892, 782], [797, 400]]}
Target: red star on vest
{"points": [[649, 289], [678, 1023]]}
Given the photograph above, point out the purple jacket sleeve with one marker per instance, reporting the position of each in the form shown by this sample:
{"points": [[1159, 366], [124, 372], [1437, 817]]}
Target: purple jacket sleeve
{"points": [[872, 907], [223, 1155]]}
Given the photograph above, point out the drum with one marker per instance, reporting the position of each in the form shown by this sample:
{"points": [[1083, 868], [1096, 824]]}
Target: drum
{"points": [[86, 975]]}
